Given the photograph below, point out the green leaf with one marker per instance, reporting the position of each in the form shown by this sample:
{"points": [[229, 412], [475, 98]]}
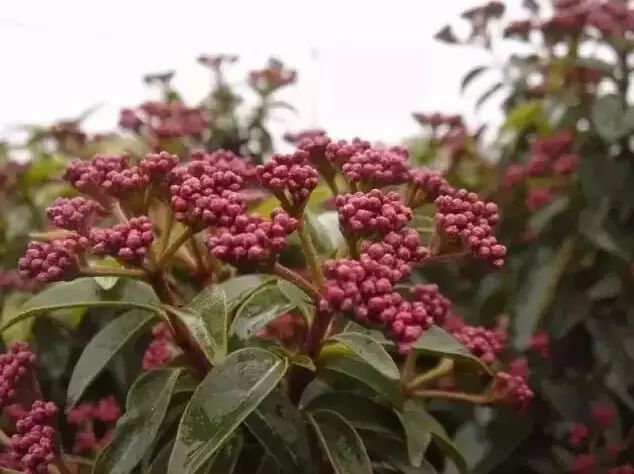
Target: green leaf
{"points": [[324, 232], [435, 342], [370, 351], [298, 297], [354, 368], [341, 442], [439, 435], [262, 307], [85, 292], [229, 393], [103, 347], [227, 458], [537, 291], [279, 428], [10, 309], [471, 76], [416, 436], [607, 287], [361, 412], [107, 282], [539, 220], [238, 288], [610, 119], [211, 306], [148, 399], [159, 464]]}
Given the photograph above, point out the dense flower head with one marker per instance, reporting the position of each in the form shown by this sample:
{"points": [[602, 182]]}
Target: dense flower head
{"points": [[46, 262], [252, 238], [518, 367], [289, 174], [378, 167], [157, 165], [437, 119], [430, 182], [15, 366], [483, 343], [214, 61], [375, 212], [165, 119], [395, 255], [129, 119], [512, 389], [203, 195], [85, 441], [463, 215], [339, 152], [296, 137], [161, 349], [437, 305], [226, 160], [128, 241], [108, 410], [77, 213], [602, 414], [88, 176], [274, 76], [33, 446], [81, 414], [288, 328], [577, 434], [583, 464], [519, 28], [128, 180]]}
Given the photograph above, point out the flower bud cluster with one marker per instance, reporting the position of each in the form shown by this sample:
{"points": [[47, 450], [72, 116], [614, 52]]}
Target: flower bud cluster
{"points": [[437, 305], [156, 166], [128, 180], [436, 119], [15, 366], [375, 212], [540, 343], [10, 280], [46, 262], [339, 152], [128, 241], [33, 446], [251, 238], [427, 185], [203, 195], [89, 176], [462, 215], [165, 119], [395, 255], [94, 423], [291, 175], [377, 167], [512, 389], [77, 213], [288, 328], [225, 160], [274, 76], [161, 349], [483, 343]]}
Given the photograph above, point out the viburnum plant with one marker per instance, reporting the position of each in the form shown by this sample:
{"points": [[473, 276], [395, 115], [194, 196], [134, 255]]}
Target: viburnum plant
{"points": [[565, 193], [279, 344]]}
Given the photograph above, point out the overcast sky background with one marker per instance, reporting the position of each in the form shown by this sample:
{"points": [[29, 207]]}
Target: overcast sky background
{"points": [[363, 66]]}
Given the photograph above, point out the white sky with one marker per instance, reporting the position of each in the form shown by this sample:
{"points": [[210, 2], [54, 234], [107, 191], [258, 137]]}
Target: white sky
{"points": [[364, 66]]}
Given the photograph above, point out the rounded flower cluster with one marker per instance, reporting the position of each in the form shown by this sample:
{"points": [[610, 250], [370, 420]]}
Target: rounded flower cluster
{"points": [[378, 167], [288, 328], [577, 434], [437, 305], [225, 160], [161, 349], [15, 365], [88, 176], [540, 343], [483, 343], [156, 166], [11, 280], [203, 195], [33, 446], [375, 212], [165, 119], [365, 289], [314, 142], [512, 389], [339, 152], [128, 241], [603, 415], [429, 183], [436, 119], [463, 215], [274, 76], [582, 464], [289, 174], [46, 262], [77, 213], [394, 255], [128, 180], [252, 238], [92, 419]]}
